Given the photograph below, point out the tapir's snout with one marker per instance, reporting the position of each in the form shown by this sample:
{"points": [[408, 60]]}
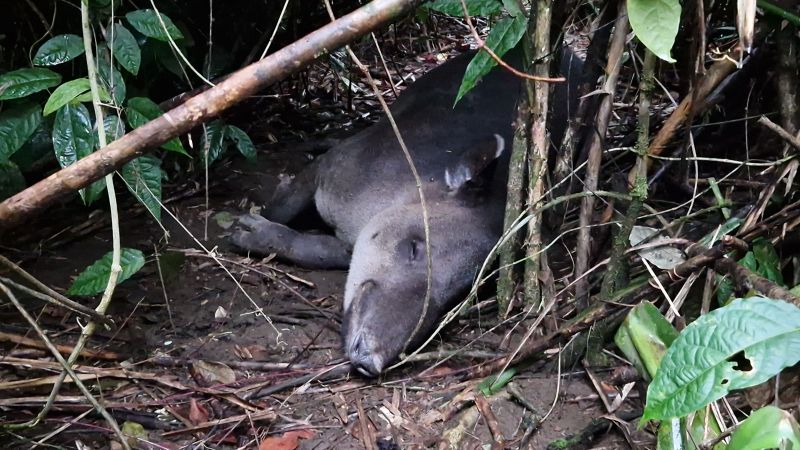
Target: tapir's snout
{"points": [[362, 355], [372, 337]]}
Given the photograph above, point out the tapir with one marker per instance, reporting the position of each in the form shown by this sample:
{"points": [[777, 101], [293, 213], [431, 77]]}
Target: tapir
{"points": [[364, 189]]}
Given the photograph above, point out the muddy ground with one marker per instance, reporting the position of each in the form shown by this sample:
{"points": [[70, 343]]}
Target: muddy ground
{"points": [[183, 310]]}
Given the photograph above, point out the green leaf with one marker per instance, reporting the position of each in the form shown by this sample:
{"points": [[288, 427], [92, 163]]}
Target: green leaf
{"points": [[87, 96], [475, 7], [644, 337], [143, 176], [214, 140], [11, 179], [114, 128], [16, 127], [72, 134], [74, 139], [513, 7], [141, 110], [768, 427], [58, 50], [699, 367], [242, 141], [38, 146], [65, 93], [655, 23], [125, 49], [94, 279], [503, 37], [23, 82], [717, 233], [146, 21], [769, 264], [111, 79], [493, 384]]}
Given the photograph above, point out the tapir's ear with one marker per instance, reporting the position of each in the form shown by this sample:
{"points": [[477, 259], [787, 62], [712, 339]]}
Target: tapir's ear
{"points": [[472, 167]]}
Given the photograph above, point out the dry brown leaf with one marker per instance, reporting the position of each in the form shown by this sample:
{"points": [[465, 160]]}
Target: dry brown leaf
{"points": [[287, 441]]}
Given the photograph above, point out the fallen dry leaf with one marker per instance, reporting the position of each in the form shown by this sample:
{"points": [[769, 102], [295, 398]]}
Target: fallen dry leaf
{"points": [[287, 441]]}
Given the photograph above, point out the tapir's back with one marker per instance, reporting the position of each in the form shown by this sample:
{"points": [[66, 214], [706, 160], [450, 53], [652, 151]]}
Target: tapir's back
{"points": [[368, 173]]}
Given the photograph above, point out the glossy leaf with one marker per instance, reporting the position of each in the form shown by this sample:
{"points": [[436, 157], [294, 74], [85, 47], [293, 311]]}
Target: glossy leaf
{"points": [[644, 338], [16, 127], [700, 366], [146, 21], [143, 176], [72, 134], [23, 82], [66, 93], [242, 141], [58, 50], [475, 7], [214, 140], [655, 23], [11, 179], [94, 279], [114, 128], [126, 50], [503, 37], [141, 110], [111, 79], [73, 139], [768, 427]]}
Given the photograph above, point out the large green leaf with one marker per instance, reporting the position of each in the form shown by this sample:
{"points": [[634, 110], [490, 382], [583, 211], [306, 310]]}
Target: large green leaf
{"points": [[768, 427], [146, 22], [16, 127], [214, 140], [72, 134], [11, 179], [23, 82], [143, 176], [242, 141], [655, 23], [58, 50], [125, 49], [644, 338], [503, 37], [66, 93], [475, 7], [111, 79], [141, 110], [94, 279], [114, 128], [699, 367], [73, 139]]}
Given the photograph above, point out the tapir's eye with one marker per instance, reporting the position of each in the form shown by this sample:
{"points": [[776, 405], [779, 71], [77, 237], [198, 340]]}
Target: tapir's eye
{"points": [[412, 249]]}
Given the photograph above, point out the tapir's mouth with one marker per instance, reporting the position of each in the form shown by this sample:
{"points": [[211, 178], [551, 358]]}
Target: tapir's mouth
{"points": [[363, 357]]}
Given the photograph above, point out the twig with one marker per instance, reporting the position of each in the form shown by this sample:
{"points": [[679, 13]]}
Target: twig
{"points": [[65, 349], [491, 421], [67, 368], [780, 131], [584, 247]]}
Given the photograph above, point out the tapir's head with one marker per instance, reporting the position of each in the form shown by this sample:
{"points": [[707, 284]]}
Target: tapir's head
{"points": [[385, 297]]}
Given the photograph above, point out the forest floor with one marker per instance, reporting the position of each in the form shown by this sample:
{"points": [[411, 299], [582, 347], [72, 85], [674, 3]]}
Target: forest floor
{"points": [[191, 362]]}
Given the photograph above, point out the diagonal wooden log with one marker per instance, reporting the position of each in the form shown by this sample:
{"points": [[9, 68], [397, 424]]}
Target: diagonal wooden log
{"points": [[200, 108]]}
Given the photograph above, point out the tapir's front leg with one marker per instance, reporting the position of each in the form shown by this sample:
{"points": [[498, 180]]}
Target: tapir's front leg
{"points": [[314, 251], [293, 195]]}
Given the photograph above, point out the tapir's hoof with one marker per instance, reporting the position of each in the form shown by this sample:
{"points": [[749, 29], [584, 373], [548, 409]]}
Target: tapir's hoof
{"points": [[256, 234]]}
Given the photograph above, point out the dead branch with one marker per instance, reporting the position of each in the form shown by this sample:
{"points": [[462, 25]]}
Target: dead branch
{"points": [[64, 349], [200, 108], [596, 152], [780, 131]]}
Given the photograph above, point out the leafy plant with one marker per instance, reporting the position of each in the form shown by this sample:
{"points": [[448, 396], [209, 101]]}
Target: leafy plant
{"points": [[93, 279], [734, 347]]}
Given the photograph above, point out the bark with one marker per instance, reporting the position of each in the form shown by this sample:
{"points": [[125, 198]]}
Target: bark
{"points": [[204, 106]]}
